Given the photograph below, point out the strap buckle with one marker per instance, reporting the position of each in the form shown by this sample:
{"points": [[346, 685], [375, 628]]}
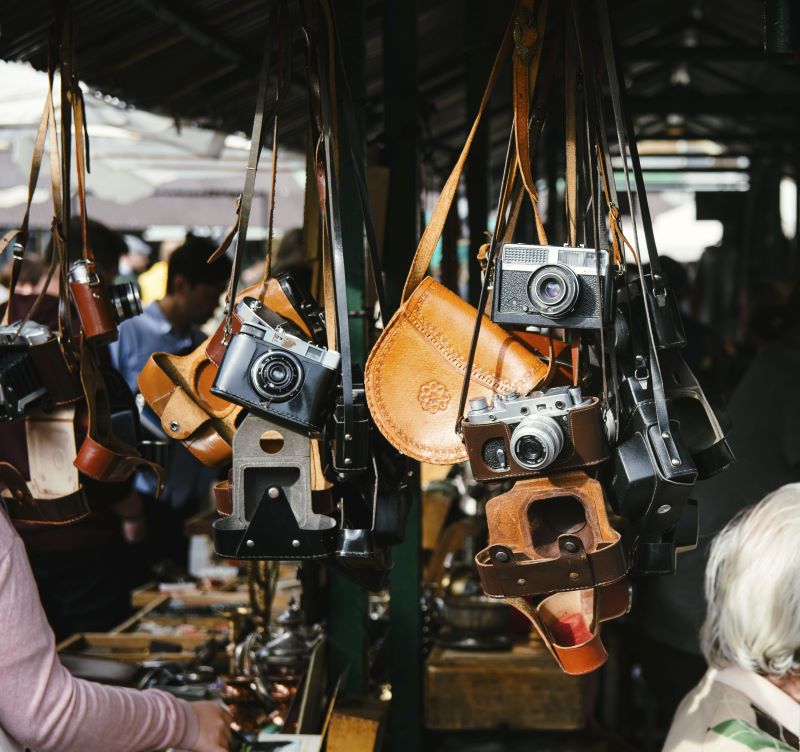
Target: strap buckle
{"points": [[17, 250]]}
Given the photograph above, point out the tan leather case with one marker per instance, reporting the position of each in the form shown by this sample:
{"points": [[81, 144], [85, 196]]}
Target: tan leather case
{"points": [[415, 372]]}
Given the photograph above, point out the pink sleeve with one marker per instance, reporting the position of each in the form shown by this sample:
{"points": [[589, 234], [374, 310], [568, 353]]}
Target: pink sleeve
{"points": [[43, 707]]}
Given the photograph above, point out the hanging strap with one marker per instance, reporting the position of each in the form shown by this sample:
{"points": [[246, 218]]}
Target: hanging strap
{"points": [[529, 27], [325, 69], [246, 201], [355, 140], [614, 76], [433, 230], [571, 156]]}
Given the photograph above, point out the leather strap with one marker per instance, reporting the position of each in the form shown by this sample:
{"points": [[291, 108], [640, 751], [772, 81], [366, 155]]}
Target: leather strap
{"points": [[529, 27], [626, 139], [571, 155], [246, 199], [433, 230], [326, 73], [102, 455]]}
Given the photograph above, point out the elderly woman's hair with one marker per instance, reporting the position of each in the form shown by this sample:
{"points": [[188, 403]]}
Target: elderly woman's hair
{"points": [[753, 588]]}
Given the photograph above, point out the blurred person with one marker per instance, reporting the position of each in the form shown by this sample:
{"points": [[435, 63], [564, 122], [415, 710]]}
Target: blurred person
{"points": [[80, 569], [764, 412], [44, 708], [171, 325], [134, 261], [750, 696], [153, 282]]}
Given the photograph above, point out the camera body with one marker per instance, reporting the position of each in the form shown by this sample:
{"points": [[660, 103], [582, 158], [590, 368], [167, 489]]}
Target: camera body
{"points": [[101, 307], [518, 437], [21, 386], [271, 369], [551, 286]]}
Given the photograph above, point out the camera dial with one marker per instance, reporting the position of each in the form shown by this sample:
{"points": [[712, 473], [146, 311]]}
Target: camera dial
{"points": [[553, 290], [536, 442], [277, 376]]}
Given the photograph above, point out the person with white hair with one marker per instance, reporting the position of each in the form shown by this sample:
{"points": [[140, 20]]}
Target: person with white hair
{"points": [[750, 697]]}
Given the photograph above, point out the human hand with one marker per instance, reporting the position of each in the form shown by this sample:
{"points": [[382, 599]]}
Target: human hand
{"points": [[215, 729]]}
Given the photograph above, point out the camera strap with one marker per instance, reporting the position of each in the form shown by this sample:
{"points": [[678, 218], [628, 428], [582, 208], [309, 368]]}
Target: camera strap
{"points": [[626, 138], [246, 199], [355, 140], [326, 71]]}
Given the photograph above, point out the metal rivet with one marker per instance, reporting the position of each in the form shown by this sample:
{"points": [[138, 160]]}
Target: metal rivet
{"points": [[664, 435], [410, 473], [663, 509], [250, 543], [571, 546], [573, 575], [675, 461], [521, 581], [174, 425], [348, 461], [348, 437], [273, 492], [296, 543], [502, 556], [96, 295]]}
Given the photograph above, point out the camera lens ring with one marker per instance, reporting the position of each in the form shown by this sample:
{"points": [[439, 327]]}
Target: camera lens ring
{"points": [[126, 301], [277, 375], [553, 290], [536, 442]]}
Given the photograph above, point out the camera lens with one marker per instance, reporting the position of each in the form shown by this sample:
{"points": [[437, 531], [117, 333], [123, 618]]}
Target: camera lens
{"points": [[125, 301], [277, 376], [553, 290], [536, 442]]}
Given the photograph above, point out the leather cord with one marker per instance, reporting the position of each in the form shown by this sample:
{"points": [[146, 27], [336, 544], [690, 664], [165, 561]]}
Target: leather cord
{"points": [[334, 222], [509, 170], [614, 76], [357, 158], [246, 202]]}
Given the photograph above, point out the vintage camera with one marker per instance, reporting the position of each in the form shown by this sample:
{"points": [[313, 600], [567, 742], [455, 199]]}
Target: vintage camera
{"points": [[271, 369], [21, 386], [516, 437], [551, 286], [101, 307]]}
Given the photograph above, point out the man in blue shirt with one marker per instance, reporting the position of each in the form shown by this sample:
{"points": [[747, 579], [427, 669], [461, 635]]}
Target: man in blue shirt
{"points": [[172, 325]]}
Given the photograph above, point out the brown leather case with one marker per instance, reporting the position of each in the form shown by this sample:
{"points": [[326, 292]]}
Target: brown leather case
{"points": [[177, 388], [94, 310], [59, 377], [569, 623], [415, 371], [586, 435], [274, 298], [547, 534]]}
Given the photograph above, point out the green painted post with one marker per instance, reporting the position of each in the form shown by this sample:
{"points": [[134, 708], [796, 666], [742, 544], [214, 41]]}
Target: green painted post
{"points": [[347, 612], [400, 241]]}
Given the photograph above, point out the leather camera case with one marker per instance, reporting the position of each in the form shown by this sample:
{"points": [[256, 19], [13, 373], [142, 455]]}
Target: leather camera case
{"points": [[586, 445], [700, 427], [178, 389], [649, 486], [272, 514], [95, 312], [550, 533], [415, 372]]}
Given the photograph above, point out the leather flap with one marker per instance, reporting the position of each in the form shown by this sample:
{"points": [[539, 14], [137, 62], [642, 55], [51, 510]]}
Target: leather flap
{"points": [[414, 373], [181, 416]]}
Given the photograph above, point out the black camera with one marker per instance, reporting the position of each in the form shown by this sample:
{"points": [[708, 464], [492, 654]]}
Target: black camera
{"points": [[551, 286], [21, 386], [270, 368]]}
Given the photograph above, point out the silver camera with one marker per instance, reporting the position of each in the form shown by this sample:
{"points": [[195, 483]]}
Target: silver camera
{"points": [[550, 286], [271, 368]]}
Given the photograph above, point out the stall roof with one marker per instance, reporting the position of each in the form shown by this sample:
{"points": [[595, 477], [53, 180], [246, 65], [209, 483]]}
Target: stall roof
{"points": [[696, 69]]}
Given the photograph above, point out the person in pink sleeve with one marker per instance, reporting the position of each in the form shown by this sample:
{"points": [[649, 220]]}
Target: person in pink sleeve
{"points": [[44, 708]]}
